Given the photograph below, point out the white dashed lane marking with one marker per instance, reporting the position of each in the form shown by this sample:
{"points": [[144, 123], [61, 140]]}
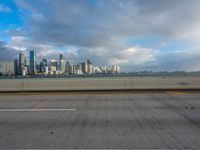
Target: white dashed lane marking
{"points": [[36, 110]]}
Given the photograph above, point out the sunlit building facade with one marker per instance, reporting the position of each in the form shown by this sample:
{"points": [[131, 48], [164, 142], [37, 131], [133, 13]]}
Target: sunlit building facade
{"points": [[8, 68]]}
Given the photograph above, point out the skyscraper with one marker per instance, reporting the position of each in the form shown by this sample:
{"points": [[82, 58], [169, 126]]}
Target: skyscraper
{"points": [[16, 66], [68, 68], [33, 62], [83, 67], [77, 69], [62, 64], [115, 69], [89, 67], [61, 57], [8, 68], [21, 62], [27, 65], [86, 67], [44, 62], [43, 65]]}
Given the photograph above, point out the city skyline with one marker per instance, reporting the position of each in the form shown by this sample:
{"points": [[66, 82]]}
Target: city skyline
{"points": [[31, 66], [134, 34]]}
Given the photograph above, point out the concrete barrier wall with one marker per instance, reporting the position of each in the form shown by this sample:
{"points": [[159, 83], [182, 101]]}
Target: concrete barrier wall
{"points": [[10, 85], [125, 83]]}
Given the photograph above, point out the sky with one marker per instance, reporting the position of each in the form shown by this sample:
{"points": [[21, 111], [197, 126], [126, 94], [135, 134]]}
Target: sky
{"points": [[137, 35]]}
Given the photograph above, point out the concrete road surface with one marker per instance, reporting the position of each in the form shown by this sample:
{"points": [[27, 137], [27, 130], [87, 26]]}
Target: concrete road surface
{"points": [[163, 120]]}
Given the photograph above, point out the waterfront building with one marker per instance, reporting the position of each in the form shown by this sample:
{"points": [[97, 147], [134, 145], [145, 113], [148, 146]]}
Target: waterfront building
{"points": [[46, 70], [62, 64], [25, 71], [69, 68], [84, 67], [62, 57], [33, 62], [8, 68], [53, 70], [103, 69], [87, 67], [16, 67], [21, 62], [27, 65], [115, 69], [43, 64], [77, 69], [96, 70]]}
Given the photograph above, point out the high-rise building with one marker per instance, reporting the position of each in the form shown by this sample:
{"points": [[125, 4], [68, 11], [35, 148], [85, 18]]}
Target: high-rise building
{"points": [[25, 71], [104, 69], [96, 70], [54, 63], [16, 67], [115, 69], [27, 62], [84, 67], [62, 57], [37, 68], [62, 64], [27, 65], [53, 66], [33, 62], [77, 69], [43, 64], [21, 62], [8, 68], [89, 67], [68, 68], [46, 70]]}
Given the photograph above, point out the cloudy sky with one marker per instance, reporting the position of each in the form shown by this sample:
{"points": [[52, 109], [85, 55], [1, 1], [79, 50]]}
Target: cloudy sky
{"points": [[157, 35]]}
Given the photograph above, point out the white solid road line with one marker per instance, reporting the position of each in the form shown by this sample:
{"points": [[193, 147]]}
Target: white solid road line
{"points": [[35, 110]]}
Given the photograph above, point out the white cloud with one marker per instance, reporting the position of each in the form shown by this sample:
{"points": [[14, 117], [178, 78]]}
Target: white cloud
{"points": [[98, 32], [108, 23], [136, 56]]}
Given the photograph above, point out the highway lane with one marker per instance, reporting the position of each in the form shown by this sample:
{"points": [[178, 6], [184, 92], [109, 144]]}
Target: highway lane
{"points": [[111, 120]]}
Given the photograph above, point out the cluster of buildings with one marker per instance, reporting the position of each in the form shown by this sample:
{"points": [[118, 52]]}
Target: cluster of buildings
{"points": [[32, 66]]}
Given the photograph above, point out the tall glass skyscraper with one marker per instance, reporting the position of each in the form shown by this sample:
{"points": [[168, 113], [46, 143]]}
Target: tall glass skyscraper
{"points": [[16, 66], [21, 62], [33, 62]]}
